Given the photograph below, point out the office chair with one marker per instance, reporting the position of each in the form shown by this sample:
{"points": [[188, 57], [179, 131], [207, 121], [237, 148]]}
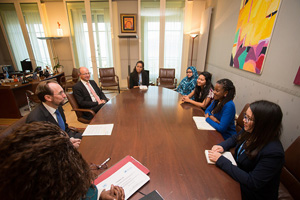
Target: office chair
{"points": [[32, 99], [290, 175], [70, 80], [78, 111], [108, 78], [166, 78]]}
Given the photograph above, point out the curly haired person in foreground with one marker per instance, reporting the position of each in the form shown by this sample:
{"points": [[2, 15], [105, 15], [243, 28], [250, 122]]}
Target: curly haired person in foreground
{"points": [[38, 161]]}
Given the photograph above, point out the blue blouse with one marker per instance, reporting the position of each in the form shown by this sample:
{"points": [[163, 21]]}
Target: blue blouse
{"points": [[226, 118]]}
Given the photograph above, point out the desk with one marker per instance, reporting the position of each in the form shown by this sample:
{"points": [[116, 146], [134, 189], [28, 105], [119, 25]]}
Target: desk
{"points": [[12, 96], [156, 129]]}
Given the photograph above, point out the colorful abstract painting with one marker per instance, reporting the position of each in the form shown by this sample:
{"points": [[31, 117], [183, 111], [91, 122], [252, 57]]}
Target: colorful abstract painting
{"points": [[253, 33]]}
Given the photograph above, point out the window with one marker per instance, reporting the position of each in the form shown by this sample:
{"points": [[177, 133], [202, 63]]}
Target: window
{"points": [[174, 35], [35, 30], [150, 26], [79, 35], [14, 33]]}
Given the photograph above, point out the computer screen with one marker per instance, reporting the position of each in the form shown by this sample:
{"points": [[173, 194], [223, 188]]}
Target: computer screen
{"points": [[26, 65]]}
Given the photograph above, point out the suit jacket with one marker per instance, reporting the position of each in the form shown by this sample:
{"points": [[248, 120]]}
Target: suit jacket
{"points": [[83, 97], [259, 177], [40, 113], [145, 80]]}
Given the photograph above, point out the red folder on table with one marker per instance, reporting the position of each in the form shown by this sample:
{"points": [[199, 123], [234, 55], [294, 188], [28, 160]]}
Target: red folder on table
{"points": [[118, 165]]}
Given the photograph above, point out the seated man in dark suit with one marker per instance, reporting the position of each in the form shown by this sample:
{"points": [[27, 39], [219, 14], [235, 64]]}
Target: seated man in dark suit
{"points": [[52, 97], [88, 94]]}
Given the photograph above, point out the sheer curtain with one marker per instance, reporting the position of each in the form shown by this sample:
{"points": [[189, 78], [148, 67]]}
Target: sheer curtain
{"points": [[150, 27], [174, 35], [14, 33], [35, 29], [80, 35], [102, 34]]}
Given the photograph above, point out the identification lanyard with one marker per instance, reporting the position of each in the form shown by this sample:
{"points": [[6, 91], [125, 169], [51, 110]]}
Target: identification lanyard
{"points": [[240, 151]]}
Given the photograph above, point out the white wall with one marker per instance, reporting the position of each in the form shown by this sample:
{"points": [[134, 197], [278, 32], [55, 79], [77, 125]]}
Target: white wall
{"points": [[280, 67]]}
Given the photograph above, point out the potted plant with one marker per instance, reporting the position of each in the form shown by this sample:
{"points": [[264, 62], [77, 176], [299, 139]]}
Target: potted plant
{"points": [[58, 67]]}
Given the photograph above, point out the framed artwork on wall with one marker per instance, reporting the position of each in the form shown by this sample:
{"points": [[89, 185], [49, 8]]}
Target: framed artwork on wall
{"points": [[128, 23], [253, 34]]}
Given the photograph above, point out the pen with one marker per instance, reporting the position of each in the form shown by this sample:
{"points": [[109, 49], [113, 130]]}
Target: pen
{"points": [[104, 163]]}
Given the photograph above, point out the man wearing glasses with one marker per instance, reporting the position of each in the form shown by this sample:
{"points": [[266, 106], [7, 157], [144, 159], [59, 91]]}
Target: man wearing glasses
{"points": [[88, 94], [52, 98]]}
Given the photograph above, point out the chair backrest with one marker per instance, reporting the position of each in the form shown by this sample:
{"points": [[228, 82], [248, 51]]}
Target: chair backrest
{"points": [[107, 74], [8, 69], [32, 96], [290, 175], [75, 75], [74, 104], [239, 121], [166, 76]]}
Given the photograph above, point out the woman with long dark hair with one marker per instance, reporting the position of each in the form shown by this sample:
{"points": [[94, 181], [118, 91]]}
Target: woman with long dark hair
{"points": [[221, 112], [38, 161], [203, 93], [138, 76], [258, 152]]}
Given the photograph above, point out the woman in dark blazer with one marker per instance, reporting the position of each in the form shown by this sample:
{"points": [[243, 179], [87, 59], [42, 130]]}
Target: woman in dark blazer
{"points": [[258, 152], [139, 76]]}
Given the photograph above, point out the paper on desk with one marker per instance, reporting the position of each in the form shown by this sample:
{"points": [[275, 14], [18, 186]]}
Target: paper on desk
{"points": [[98, 129], [143, 87], [129, 177], [226, 154], [202, 124]]}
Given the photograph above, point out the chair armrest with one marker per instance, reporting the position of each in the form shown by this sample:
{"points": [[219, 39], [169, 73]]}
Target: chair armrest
{"points": [[64, 77], [157, 81], [117, 78], [73, 128], [30, 92], [84, 110], [175, 82]]}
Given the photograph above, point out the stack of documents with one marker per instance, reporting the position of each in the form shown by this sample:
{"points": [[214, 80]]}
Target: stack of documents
{"points": [[98, 129], [202, 124], [127, 173], [226, 154]]}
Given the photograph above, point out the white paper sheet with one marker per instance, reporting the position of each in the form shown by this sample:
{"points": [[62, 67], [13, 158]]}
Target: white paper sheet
{"points": [[129, 177], [202, 124], [226, 154], [143, 87], [98, 129]]}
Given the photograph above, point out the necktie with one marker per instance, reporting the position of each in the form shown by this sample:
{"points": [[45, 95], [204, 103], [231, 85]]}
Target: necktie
{"points": [[93, 93], [60, 120]]}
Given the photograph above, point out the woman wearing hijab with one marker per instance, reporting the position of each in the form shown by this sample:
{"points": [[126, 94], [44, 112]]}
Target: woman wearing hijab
{"points": [[187, 85]]}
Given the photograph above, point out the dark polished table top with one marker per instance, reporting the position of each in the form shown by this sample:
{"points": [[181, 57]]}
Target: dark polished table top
{"points": [[158, 130]]}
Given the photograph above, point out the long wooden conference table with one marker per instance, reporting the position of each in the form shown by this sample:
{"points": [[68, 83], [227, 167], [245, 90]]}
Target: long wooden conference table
{"points": [[158, 130]]}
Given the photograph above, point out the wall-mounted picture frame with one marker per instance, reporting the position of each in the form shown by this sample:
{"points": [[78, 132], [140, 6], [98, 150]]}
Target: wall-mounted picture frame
{"points": [[128, 23]]}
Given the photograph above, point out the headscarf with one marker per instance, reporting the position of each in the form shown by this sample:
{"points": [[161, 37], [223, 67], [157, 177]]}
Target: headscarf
{"points": [[187, 85]]}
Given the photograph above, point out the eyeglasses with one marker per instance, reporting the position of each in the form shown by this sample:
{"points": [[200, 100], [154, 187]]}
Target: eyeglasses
{"points": [[188, 72], [247, 119], [86, 73]]}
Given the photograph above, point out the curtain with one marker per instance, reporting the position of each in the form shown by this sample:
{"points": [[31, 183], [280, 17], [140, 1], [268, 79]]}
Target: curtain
{"points": [[174, 35], [102, 34], [150, 27], [35, 29], [81, 39], [14, 33]]}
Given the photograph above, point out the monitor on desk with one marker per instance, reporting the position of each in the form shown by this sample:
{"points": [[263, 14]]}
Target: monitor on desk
{"points": [[26, 66]]}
